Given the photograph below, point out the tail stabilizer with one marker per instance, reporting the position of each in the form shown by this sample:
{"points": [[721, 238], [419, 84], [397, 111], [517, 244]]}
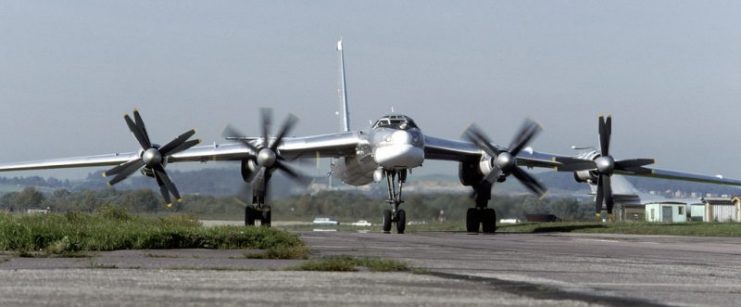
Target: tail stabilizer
{"points": [[343, 89]]}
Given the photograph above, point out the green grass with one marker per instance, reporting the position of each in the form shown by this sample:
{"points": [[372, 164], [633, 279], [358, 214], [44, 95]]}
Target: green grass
{"points": [[352, 264], [105, 231], [641, 228], [281, 252]]}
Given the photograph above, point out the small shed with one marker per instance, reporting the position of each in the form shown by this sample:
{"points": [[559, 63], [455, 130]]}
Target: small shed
{"points": [[720, 209], [666, 212]]}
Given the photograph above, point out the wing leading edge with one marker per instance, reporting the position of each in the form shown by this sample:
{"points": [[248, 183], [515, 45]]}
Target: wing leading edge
{"points": [[457, 150], [326, 145]]}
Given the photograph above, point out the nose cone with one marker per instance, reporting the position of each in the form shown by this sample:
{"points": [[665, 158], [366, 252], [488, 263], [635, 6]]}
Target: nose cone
{"points": [[401, 150]]}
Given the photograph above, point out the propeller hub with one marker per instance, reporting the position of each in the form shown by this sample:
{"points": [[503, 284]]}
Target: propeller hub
{"points": [[266, 157], [605, 165], [152, 157], [504, 161]]}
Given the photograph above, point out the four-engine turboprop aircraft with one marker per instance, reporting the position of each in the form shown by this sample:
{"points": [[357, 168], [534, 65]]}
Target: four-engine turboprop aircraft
{"points": [[392, 147]]}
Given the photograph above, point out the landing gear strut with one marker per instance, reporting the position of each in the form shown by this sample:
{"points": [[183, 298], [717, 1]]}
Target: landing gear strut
{"points": [[259, 210], [394, 214], [482, 217]]}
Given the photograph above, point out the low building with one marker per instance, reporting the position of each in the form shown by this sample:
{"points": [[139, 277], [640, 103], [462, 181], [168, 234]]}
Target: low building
{"points": [[666, 212], [696, 212], [631, 213], [721, 209]]}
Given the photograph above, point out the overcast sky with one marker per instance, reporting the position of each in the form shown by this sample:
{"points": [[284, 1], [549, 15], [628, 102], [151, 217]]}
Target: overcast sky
{"points": [[668, 71]]}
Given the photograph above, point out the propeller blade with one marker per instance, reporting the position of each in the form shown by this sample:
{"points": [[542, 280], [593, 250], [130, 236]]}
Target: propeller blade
{"points": [[125, 170], [284, 130], [117, 169], [138, 134], [632, 163], [163, 190], [639, 170], [605, 130], [184, 146], [159, 171], [526, 133], [607, 187], [291, 173], [140, 123], [267, 119], [573, 164], [231, 132], [529, 181], [600, 195], [164, 150], [474, 134]]}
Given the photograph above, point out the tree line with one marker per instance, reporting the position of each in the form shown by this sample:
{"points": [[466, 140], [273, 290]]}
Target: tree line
{"points": [[343, 205]]}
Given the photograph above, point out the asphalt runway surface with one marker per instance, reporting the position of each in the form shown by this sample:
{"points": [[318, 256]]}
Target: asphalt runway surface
{"points": [[460, 269]]}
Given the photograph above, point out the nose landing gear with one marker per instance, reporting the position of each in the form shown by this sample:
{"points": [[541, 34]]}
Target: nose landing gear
{"points": [[394, 215]]}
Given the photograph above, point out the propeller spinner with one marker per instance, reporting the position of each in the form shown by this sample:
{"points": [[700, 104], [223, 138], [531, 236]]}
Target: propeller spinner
{"points": [[152, 157]]}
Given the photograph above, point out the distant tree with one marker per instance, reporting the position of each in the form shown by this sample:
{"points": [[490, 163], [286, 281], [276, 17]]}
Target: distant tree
{"points": [[29, 198]]}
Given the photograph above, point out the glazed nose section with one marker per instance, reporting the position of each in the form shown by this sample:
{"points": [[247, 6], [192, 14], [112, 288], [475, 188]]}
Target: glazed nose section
{"points": [[402, 150]]}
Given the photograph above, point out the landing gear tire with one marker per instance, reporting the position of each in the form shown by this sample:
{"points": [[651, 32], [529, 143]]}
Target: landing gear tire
{"points": [[250, 214], [401, 221], [489, 220], [472, 220], [387, 220], [265, 218]]}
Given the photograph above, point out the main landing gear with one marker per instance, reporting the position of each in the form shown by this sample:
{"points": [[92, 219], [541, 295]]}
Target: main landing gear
{"points": [[394, 215], [254, 213], [259, 210], [481, 217]]}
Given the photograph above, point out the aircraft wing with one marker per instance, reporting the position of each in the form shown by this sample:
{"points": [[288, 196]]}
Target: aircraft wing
{"points": [[88, 161], [675, 175], [456, 150], [327, 145], [333, 145]]}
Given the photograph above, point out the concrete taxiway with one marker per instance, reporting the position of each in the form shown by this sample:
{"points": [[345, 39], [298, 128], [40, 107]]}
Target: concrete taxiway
{"points": [[500, 269]]}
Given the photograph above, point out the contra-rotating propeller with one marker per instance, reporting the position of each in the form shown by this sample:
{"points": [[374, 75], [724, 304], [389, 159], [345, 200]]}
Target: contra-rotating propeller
{"points": [[152, 157], [267, 157], [605, 165], [504, 162]]}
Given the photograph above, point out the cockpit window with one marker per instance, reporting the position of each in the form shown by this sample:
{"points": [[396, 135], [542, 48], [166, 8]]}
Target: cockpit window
{"points": [[395, 122]]}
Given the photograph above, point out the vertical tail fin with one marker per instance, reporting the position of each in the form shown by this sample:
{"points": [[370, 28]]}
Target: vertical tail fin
{"points": [[343, 88]]}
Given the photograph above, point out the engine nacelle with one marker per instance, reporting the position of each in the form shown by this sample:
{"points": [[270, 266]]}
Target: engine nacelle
{"points": [[355, 170], [147, 172], [587, 175], [471, 173], [248, 170]]}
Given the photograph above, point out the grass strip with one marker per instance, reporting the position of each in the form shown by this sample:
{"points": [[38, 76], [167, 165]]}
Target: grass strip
{"points": [[78, 232], [352, 264]]}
